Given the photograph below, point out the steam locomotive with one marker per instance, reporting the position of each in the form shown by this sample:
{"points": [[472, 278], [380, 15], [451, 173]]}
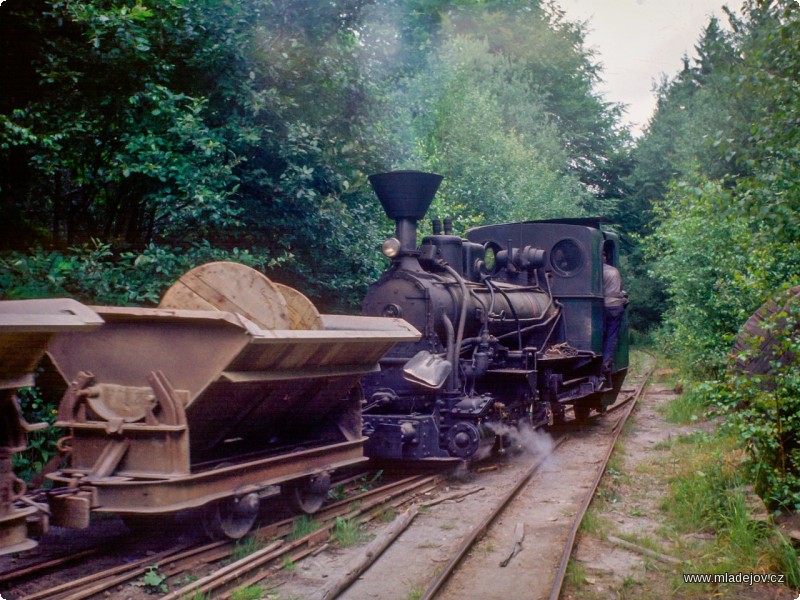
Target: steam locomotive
{"points": [[512, 329]]}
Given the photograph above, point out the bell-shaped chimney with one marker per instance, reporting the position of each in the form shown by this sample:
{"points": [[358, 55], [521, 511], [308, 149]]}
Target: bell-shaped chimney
{"points": [[405, 196]]}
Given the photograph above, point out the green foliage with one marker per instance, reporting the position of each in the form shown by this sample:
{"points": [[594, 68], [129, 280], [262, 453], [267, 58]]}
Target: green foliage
{"points": [[765, 409], [718, 169], [366, 483], [704, 256], [251, 592], [698, 497], [41, 444], [96, 274], [416, 592], [760, 405], [513, 141], [727, 235], [303, 526], [254, 125], [245, 547], [179, 123], [708, 492], [155, 582], [337, 492], [696, 402], [347, 532]]}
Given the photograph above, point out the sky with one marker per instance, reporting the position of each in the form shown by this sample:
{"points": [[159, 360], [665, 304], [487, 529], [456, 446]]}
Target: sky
{"points": [[637, 41]]}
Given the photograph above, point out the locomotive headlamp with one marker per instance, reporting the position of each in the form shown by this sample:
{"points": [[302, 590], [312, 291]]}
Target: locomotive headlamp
{"points": [[391, 247]]}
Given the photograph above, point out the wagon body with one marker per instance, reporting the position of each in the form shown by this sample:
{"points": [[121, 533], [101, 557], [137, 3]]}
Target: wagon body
{"points": [[171, 409]]}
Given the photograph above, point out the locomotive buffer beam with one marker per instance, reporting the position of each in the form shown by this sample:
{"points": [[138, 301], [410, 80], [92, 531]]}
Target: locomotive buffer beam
{"points": [[572, 389]]}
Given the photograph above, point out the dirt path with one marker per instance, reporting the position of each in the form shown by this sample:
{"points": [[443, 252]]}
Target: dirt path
{"points": [[628, 507], [546, 510]]}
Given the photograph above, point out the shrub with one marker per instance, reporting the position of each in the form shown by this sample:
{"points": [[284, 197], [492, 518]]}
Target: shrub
{"points": [[41, 444], [95, 273], [764, 403]]}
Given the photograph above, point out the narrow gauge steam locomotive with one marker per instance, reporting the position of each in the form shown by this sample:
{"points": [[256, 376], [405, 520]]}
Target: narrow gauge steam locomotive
{"points": [[512, 329]]}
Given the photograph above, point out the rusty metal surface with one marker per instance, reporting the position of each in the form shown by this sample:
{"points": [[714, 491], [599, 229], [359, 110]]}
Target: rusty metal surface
{"points": [[171, 409], [244, 385], [141, 496], [26, 328]]}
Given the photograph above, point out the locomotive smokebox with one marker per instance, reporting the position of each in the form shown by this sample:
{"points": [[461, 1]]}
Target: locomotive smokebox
{"points": [[406, 196]]}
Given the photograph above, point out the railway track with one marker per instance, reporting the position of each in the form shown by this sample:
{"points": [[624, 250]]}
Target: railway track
{"points": [[277, 541], [278, 545], [545, 584]]}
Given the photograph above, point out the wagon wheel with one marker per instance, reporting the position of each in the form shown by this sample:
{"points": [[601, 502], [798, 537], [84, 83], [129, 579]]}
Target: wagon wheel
{"points": [[230, 518], [308, 494]]}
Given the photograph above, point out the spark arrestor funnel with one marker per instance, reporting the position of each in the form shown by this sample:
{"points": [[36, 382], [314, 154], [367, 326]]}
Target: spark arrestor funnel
{"points": [[406, 196]]}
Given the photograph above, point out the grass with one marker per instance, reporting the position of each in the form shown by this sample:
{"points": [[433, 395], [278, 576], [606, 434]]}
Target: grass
{"points": [[347, 532], [650, 542], [701, 511], [251, 592], [303, 526], [288, 564], [245, 547], [637, 512], [337, 493], [387, 516], [576, 574], [706, 495], [595, 525], [702, 469], [415, 593], [367, 483], [686, 408]]}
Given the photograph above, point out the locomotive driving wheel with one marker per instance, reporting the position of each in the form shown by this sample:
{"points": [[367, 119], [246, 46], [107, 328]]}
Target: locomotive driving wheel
{"points": [[308, 494], [463, 440], [231, 518]]}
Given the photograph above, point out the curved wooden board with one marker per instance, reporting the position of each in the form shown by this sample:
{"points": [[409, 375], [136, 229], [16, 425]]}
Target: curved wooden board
{"points": [[230, 287], [302, 312], [757, 347]]}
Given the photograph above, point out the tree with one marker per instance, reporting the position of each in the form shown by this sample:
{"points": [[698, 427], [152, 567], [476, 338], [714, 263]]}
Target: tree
{"points": [[513, 141], [742, 104], [238, 123]]}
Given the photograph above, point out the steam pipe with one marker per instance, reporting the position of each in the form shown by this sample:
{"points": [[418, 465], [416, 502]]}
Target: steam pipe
{"points": [[452, 379], [462, 320]]}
